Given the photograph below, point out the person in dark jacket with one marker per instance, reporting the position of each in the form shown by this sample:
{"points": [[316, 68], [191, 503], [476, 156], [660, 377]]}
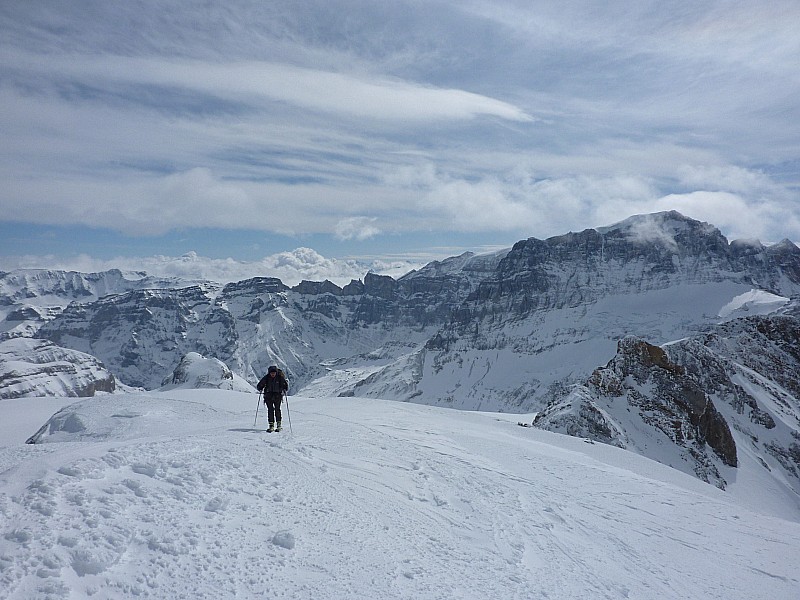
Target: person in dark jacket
{"points": [[273, 384]]}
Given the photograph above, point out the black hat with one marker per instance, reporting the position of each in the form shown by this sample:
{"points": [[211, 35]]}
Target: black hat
{"points": [[273, 369]]}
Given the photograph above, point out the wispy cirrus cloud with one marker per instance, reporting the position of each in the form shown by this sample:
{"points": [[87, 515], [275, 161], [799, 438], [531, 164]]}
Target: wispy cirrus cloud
{"points": [[255, 82]]}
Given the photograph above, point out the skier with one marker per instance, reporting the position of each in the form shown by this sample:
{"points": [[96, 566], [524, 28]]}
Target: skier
{"points": [[273, 384]]}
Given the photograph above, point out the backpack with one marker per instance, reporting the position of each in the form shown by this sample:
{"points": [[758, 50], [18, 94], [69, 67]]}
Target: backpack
{"points": [[284, 381]]}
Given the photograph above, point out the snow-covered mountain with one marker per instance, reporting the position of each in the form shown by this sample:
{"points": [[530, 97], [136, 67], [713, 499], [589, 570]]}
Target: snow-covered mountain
{"points": [[482, 332], [40, 368], [554, 309], [175, 495], [513, 331], [30, 297], [722, 406], [198, 372], [143, 332]]}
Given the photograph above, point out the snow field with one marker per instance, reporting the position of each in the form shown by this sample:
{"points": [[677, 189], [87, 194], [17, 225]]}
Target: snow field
{"points": [[365, 499]]}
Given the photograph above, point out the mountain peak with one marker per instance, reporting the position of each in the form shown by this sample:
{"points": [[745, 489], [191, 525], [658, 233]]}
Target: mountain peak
{"points": [[659, 226], [785, 245]]}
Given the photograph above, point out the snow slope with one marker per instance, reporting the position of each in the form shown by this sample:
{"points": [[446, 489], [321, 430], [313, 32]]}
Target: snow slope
{"points": [[754, 302], [176, 495]]}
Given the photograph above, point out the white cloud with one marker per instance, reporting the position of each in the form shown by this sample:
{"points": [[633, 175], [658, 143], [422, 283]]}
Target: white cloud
{"points": [[729, 178], [357, 95], [400, 117], [358, 228], [735, 215], [290, 267], [146, 206], [741, 202], [648, 230], [477, 206], [523, 204]]}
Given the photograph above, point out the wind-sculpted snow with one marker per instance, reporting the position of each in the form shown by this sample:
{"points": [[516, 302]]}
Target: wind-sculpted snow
{"points": [[365, 499], [123, 417]]}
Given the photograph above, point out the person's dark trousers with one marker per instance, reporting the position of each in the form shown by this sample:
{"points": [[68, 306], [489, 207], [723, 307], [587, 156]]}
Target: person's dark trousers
{"points": [[273, 402]]}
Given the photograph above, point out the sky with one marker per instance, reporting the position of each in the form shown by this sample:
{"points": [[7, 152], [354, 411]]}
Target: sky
{"points": [[139, 133]]}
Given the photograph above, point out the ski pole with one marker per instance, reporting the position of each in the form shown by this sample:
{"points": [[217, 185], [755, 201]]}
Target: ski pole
{"points": [[288, 414], [259, 402]]}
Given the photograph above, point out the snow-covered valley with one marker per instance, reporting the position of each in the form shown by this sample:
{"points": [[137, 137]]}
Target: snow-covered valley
{"points": [[176, 495]]}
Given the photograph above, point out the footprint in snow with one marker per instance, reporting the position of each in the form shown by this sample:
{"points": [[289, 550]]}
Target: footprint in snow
{"points": [[284, 539], [217, 504]]}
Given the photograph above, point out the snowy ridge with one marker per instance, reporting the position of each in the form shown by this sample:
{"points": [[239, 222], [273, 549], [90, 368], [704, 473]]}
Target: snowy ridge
{"points": [[365, 499], [474, 266], [40, 368]]}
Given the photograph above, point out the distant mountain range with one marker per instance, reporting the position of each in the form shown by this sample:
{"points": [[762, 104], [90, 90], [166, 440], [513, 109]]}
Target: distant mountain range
{"points": [[656, 334]]}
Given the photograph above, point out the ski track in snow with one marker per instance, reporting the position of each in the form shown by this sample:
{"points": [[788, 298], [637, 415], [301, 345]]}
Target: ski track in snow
{"points": [[371, 499]]}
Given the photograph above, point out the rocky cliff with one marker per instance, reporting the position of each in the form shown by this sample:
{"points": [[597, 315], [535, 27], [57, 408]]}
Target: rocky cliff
{"points": [[555, 308], [703, 404]]}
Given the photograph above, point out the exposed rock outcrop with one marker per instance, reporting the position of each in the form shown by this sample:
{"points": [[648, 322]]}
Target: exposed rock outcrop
{"points": [[693, 403]]}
